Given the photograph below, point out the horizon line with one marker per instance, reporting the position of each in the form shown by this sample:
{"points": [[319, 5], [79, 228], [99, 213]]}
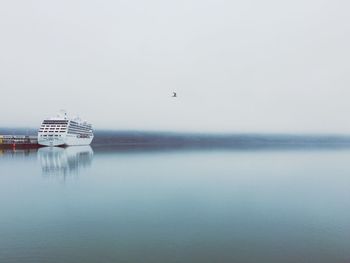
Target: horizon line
{"points": [[221, 133]]}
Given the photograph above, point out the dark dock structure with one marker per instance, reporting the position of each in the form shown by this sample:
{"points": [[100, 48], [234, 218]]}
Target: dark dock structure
{"points": [[18, 141]]}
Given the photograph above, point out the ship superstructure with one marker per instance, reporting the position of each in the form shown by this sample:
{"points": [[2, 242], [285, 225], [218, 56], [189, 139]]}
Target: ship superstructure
{"points": [[62, 130]]}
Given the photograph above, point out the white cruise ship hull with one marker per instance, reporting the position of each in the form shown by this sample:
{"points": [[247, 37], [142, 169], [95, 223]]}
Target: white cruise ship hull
{"points": [[75, 140], [67, 140], [51, 141]]}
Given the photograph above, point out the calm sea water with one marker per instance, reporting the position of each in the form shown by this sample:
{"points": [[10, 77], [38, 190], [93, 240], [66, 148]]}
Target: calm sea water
{"points": [[77, 205]]}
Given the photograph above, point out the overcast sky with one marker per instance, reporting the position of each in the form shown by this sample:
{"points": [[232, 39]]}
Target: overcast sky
{"points": [[238, 66]]}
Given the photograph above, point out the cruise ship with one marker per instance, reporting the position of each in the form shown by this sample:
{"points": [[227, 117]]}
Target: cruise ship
{"points": [[64, 131]]}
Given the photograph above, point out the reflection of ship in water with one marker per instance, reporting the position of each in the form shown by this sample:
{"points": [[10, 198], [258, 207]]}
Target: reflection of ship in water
{"points": [[64, 161]]}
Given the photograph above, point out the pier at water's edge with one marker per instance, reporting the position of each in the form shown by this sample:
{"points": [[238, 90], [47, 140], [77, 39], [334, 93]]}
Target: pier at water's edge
{"points": [[18, 141]]}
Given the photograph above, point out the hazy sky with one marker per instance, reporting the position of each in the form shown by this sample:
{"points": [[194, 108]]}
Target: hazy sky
{"points": [[238, 66]]}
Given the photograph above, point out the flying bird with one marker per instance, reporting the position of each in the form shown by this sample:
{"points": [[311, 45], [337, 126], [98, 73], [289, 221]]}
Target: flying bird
{"points": [[174, 95]]}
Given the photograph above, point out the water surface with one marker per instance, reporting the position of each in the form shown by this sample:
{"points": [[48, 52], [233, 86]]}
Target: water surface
{"points": [[81, 205]]}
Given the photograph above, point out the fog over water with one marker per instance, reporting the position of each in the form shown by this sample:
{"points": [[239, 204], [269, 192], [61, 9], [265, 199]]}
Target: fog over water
{"points": [[250, 163], [238, 66], [86, 204]]}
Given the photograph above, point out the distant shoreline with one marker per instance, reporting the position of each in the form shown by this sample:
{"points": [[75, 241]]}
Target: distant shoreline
{"points": [[165, 140]]}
